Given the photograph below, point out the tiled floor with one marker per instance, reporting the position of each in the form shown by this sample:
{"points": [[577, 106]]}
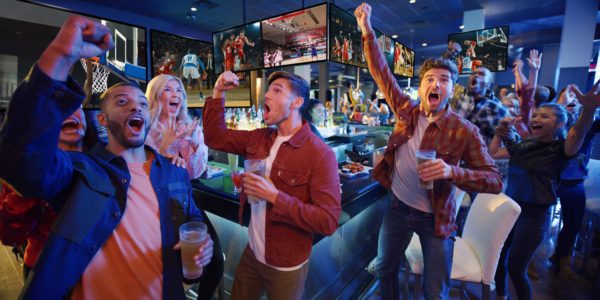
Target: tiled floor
{"points": [[11, 274]]}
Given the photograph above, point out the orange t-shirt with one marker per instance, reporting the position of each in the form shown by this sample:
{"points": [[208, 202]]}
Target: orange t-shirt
{"points": [[129, 265]]}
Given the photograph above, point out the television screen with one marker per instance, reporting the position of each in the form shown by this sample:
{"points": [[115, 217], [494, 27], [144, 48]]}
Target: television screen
{"points": [[345, 43], [387, 45], [238, 49], [191, 60], [404, 60], [128, 57], [486, 47], [296, 37]]}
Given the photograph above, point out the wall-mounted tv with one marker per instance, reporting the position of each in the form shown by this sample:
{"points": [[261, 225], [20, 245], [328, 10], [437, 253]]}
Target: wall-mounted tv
{"points": [[296, 37], [191, 60], [485, 47], [128, 57], [404, 60], [387, 45], [238, 49], [345, 43]]}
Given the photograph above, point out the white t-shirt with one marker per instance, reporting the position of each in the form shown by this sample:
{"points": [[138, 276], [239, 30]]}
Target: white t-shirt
{"points": [[405, 180], [258, 216]]}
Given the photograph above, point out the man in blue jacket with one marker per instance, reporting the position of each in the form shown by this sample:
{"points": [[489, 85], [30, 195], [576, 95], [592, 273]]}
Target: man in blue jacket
{"points": [[120, 206]]}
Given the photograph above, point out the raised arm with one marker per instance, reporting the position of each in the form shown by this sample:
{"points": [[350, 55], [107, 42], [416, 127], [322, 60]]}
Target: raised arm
{"points": [[520, 79], [32, 162], [399, 103], [590, 102], [527, 92], [218, 136], [535, 63]]}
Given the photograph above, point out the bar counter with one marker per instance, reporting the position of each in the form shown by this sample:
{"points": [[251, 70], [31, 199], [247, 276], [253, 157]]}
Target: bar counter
{"points": [[337, 263]]}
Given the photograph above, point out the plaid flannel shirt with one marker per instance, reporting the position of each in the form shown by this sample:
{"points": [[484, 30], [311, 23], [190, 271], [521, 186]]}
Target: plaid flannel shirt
{"points": [[485, 114], [455, 140]]}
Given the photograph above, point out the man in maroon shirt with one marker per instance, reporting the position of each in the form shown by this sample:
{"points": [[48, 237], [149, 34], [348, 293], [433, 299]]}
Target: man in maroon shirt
{"points": [[425, 124], [300, 191]]}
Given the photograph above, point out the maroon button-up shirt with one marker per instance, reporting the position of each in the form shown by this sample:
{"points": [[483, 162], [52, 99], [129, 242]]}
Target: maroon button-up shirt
{"points": [[304, 172], [454, 139]]}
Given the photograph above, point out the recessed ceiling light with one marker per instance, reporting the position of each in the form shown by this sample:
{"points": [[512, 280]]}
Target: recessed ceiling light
{"points": [[412, 1], [461, 26], [424, 44], [193, 8], [394, 36]]}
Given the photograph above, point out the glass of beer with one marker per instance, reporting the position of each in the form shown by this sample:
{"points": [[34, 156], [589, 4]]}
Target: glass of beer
{"points": [[191, 235], [255, 166], [423, 156], [232, 160], [237, 175]]}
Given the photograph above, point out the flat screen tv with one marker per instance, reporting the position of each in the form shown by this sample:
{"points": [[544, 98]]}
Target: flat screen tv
{"points": [[387, 45], [238, 49], [128, 57], [296, 37], [404, 60], [486, 47], [190, 60], [345, 43]]}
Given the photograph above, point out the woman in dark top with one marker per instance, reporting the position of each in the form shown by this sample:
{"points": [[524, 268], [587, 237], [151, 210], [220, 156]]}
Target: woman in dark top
{"points": [[571, 191], [314, 113], [534, 172]]}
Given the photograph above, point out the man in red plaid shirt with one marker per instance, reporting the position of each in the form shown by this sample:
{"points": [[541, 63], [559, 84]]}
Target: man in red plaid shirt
{"points": [[424, 124]]}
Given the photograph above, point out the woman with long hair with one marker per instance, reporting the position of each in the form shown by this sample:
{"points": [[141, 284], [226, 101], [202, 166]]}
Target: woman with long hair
{"points": [[173, 133]]}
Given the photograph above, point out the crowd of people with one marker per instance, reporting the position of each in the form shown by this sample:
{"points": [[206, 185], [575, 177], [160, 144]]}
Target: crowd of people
{"points": [[100, 218]]}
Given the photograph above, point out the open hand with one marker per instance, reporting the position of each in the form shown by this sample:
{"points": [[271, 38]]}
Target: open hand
{"points": [[169, 134], [591, 99], [535, 59], [191, 136]]}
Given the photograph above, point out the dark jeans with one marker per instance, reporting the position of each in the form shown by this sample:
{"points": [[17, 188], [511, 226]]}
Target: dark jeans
{"points": [[572, 202], [399, 224], [520, 246]]}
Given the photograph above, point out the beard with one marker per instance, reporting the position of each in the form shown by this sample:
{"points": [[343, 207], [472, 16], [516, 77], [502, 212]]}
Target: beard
{"points": [[118, 132]]}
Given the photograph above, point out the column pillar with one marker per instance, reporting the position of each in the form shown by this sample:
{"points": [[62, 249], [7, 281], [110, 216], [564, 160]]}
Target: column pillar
{"points": [[576, 43], [324, 82]]}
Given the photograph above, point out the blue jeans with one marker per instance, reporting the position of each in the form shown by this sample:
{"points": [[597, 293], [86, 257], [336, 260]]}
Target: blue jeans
{"points": [[572, 201], [520, 246], [399, 224]]}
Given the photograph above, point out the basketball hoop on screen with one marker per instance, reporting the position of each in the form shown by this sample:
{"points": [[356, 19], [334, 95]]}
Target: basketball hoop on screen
{"points": [[99, 74]]}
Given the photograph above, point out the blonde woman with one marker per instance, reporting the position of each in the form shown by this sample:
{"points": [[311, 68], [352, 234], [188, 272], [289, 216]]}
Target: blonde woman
{"points": [[173, 133]]}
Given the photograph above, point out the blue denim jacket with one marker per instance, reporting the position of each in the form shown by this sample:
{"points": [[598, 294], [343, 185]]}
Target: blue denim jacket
{"points": [[88, 190]]}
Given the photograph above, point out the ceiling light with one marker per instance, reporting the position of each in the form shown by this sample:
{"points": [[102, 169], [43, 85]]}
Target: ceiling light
{"points": [[424, 44], [461, 26], [193, 8], [394, 36], [412, 1]]}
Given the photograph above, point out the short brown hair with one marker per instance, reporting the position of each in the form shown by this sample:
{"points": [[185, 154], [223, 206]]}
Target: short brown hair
{"points": [[439, 63], [106, 93], [298, 85]]}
